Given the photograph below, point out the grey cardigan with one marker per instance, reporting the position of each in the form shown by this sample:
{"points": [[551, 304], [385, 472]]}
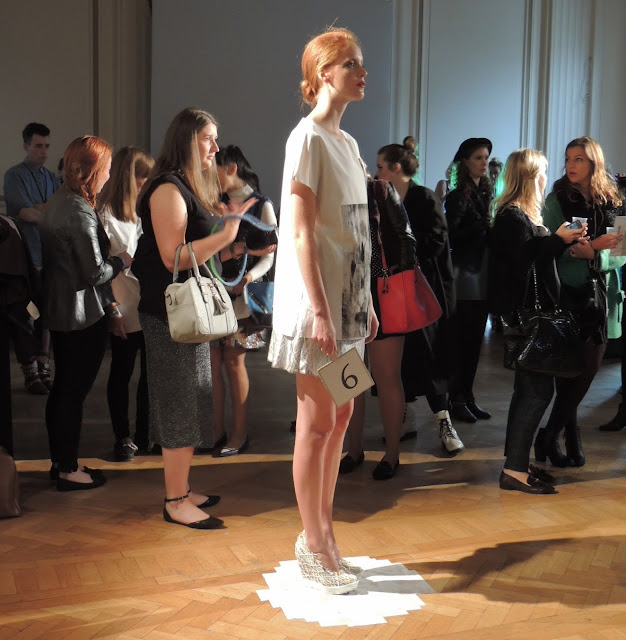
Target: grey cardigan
{"points": [[77, 271]]}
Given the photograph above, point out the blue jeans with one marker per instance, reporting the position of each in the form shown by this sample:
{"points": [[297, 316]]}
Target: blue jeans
{"points": [[532, 394]]}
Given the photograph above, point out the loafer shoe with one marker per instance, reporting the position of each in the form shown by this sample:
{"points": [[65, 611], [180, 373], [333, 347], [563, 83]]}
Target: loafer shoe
{"points": [[509, 483], [541, 474], [385, 471], [348, 464]]}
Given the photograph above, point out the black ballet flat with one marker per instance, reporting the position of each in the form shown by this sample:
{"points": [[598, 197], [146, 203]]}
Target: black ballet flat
{"points": [[348, 464], [534, 486], [94, 473], [226, 452], [63, 484], [210, 522], [384, 470], [210, 501], [541, 474], [216, 449]]}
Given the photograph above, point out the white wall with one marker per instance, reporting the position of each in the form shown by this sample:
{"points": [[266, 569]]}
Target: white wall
{"points": [[76, 74], [240, 60], [474, 79], [45, 74]]}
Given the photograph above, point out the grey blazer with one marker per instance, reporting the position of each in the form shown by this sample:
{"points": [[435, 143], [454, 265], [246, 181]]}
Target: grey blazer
{"points": [[77, 271]]}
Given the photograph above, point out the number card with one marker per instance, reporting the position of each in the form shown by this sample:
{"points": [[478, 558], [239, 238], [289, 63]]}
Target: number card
{"points": [[346, 377]]}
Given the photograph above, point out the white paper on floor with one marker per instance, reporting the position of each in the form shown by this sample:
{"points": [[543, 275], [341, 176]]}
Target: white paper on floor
{"points": [[384, 590]]}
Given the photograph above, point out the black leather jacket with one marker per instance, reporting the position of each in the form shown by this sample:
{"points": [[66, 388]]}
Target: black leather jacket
{"points": [[77, 271], [468, 223], [388, 216]]}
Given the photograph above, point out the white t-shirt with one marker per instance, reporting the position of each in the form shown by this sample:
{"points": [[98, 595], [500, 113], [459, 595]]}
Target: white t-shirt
{"points": [[332, 169], [124, 236]]}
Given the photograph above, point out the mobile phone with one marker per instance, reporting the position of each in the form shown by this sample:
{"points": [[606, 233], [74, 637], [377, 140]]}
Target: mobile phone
{"points": [[577, 224]]}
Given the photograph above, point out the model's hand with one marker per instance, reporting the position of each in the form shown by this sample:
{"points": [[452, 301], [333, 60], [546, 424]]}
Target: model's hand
{"points": [[324, 334], [262, 252], [374, 324]]}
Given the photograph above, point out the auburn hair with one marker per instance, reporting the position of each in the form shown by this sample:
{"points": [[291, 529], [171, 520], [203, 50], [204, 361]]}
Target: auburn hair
{"points": [[85, 160], [321, 52]]}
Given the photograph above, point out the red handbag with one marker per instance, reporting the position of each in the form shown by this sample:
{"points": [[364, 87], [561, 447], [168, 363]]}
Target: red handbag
{"points": [[407, 303]]}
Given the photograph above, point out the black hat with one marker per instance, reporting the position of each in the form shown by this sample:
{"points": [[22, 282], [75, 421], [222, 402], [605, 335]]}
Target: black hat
{"points": [[469, 146]]}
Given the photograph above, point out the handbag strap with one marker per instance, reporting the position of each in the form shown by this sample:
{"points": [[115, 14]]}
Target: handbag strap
{"points": [[194, 263], [382, 253], [244, 217]]}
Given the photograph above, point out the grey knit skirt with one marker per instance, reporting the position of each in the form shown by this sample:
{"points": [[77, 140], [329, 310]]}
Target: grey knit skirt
{"points": [[179, 388]]}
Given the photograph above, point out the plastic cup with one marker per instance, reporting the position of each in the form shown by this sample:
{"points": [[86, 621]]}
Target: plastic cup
{"points": [[582, 220], [610, 229]]}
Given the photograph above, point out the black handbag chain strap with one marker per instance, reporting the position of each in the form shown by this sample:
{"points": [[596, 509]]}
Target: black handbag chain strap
{"points": [[537, 303]]}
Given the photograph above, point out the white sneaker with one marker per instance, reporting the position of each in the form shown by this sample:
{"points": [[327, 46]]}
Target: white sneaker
{"points": [[450, 440]]}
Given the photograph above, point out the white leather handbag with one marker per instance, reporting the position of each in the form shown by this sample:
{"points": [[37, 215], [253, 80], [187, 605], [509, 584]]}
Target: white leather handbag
{"points": [[198, 309]]}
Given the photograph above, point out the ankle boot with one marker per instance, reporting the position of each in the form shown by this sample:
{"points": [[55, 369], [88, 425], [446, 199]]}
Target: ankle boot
{"points": [[574, 446], [32, 382], [618, 422], [547, 446]]}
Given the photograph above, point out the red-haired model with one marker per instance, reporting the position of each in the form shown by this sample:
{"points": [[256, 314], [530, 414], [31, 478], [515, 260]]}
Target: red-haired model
{"points": [[322, 303]]}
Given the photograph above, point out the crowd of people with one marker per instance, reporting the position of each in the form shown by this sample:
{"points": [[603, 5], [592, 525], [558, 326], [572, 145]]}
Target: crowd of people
{"points": [[104, 240]]}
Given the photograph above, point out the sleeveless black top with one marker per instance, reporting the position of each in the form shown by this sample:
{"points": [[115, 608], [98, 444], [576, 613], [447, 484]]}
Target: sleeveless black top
{"points": [[148, 267]]}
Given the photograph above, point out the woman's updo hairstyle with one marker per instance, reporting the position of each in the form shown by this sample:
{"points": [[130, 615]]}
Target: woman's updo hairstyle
{"points": [[321, 52], [403, 154]]}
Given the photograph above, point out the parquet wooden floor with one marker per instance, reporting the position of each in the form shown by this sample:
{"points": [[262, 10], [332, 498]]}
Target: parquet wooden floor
{"points": [[503, 566]]}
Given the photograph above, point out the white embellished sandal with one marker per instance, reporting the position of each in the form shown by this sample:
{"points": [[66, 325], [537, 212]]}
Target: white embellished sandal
{"points": [[317, 576]]}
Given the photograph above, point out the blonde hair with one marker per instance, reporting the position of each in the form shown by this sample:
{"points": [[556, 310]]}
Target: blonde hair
{"points": [[519, 183], [120, 192], [603, 189], [321, 52], [180, 155]]}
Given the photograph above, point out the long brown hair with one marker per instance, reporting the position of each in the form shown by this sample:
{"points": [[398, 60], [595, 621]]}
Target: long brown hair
{"points": [[180, 154], [85, 160], [120, 193], [603, 189]]}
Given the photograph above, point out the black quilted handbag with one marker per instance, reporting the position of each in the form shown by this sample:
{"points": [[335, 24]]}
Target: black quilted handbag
{"points": [[543, 342]]}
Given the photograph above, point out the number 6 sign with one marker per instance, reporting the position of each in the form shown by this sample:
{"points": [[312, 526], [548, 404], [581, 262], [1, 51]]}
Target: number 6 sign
{"points": [[346, 377]]}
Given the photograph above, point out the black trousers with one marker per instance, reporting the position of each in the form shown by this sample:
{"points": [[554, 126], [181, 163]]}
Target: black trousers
{"points": [[123, 357], [531, 397], [77, 359], [571, 391], [469, 323]]}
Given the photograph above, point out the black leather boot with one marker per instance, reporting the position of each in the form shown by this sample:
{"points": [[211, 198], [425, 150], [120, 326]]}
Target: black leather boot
{"points": [[574, 446], [547, 446], [618, 422], [461, 412]]}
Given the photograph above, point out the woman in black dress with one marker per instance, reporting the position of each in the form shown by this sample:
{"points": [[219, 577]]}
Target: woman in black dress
{"points": [[467, 211]]}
